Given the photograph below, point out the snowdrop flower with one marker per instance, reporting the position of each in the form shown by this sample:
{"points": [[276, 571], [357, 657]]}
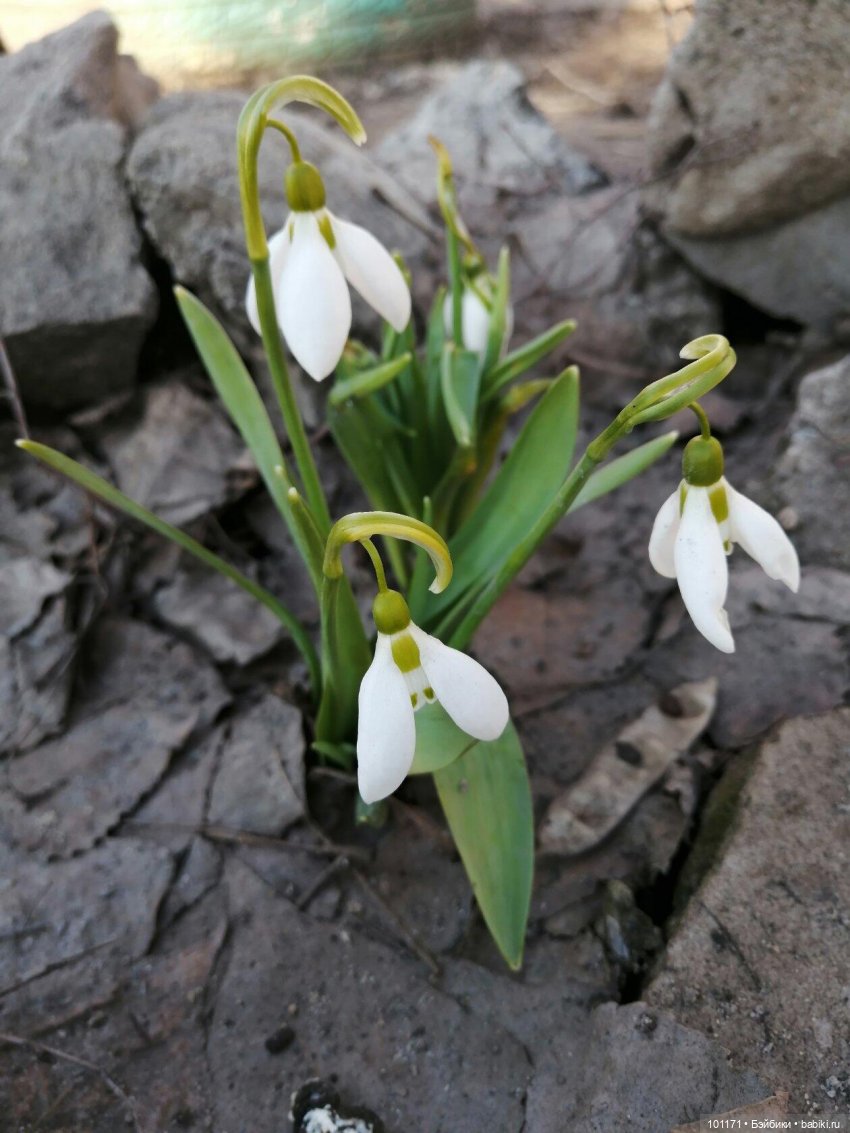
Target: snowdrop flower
{"points": [[475, 320], [694, 532], [312, 260], [412, 669]]}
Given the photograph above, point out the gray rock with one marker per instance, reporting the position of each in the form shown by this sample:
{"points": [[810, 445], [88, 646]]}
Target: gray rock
{"points": [[75, 300], [359, 1011], [645, 1072], [182, 458], [749, 152], [216, 613], [782, 666], [746, 130], [146, 1024], [64, 925], [760, 958], [604, 1070], [813, 476], [259, 785], [796, 270], [141, 703], [498, 143], [635, 299], [35, 678]]}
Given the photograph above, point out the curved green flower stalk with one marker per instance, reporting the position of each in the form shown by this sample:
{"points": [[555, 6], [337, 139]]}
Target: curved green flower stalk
{"points": [[714, 359], [364, 525], [255, 119]]}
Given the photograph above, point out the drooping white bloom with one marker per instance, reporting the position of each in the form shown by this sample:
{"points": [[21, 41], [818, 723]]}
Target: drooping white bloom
{"points": [[312, 260], [693, 533], [475, 320], [411, 669]]}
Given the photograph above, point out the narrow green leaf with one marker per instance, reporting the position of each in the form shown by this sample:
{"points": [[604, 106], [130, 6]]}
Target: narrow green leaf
{"points": [[486, 798], [522, 359], [461, 378], [110, 495], [345, 658], [439, 741], [367, 381], [519, 493], [499, 315], [341, 753], [242, 400], [623, 469]]}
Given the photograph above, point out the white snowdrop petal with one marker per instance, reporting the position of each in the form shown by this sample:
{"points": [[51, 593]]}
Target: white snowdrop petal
{"points": [[278, 247], [662, 541], [386, 732], [701, 569], [313, 304], [475, 321], [372, 271], [763, 539], [470, 695]]}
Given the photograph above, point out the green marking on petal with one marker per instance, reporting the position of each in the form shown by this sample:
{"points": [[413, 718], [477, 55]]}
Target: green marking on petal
{"points": [[430, 694], [326, 229], [719, 503], [406, 654], [414, 698]]}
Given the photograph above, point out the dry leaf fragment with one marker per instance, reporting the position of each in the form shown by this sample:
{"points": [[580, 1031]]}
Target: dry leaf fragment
{"points": [[621, 774]]}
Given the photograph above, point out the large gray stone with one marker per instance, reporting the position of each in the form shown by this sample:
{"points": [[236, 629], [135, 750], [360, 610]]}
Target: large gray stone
{"points": [[760, 959], [749, 153], [361, 1014], [797, 270], [813, 476], [75, 300], [746, 123]]}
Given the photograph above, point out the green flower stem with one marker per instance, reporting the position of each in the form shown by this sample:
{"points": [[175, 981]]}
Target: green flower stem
{"points": [[380, 574], [286, 398], [255, 118], [96, 486], [702, 417], [712, 360], [595, 452], [282, 128]]}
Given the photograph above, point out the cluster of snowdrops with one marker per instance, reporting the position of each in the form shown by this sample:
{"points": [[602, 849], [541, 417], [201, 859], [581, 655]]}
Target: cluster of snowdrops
{"points": [[456, 511]]}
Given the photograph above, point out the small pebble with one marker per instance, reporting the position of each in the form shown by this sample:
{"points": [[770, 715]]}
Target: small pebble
{"points": [[282, 1038]]}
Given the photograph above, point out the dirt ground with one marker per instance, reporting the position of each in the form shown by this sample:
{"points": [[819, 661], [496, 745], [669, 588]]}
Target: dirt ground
{"points": [[192, 927]]}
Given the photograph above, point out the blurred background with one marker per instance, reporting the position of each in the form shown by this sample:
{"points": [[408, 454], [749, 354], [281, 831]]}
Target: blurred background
{"points": [[588, 62]]}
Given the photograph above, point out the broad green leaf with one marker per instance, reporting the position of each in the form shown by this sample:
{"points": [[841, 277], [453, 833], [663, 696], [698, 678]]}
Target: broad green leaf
{"points": [[439, 741], [110, 495], [524, 357], [242, 400], [486, 798], [624, 468], [518, 495], [460, 382]]}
